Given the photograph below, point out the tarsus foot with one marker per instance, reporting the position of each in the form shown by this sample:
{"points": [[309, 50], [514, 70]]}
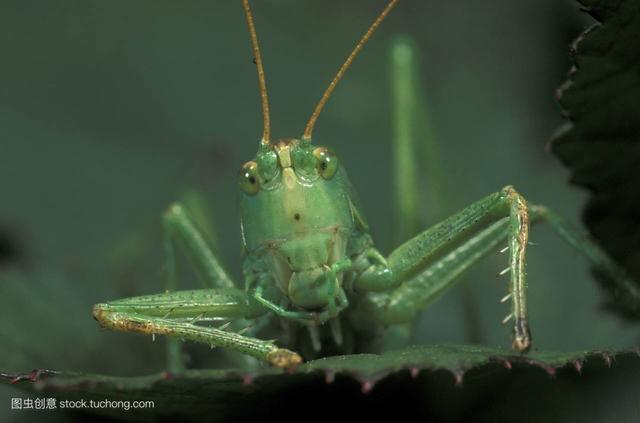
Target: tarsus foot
{"points": [[284, 358], [521, 336]]}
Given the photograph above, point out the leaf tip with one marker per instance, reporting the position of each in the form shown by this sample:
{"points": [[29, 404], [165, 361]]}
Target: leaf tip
{"points": [[608, 359], [367, 386], [329, 377], [414, 372], [458, 377], [577, 364]]}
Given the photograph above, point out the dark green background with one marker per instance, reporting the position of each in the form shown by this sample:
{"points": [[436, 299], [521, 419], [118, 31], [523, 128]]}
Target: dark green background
{"points": [[109, 109]]}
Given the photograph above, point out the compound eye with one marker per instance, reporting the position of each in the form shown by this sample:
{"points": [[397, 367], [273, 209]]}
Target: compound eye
{"points": [[249, 181], [327, 162]]}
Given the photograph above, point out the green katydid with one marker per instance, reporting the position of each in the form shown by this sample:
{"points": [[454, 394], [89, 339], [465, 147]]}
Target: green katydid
{"points": [[309, 260]]}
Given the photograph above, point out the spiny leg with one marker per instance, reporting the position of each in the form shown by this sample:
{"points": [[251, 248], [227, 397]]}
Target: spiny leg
{"points": [[431, 246], [181, 231], [178, 313], [406, 301]]}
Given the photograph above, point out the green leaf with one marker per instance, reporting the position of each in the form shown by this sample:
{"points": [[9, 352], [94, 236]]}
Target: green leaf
{"points": [[601, 143], [225, 393]]}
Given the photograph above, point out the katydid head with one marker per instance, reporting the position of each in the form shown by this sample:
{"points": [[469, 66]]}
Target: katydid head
{"points": [[296, 213], [296, 205]]}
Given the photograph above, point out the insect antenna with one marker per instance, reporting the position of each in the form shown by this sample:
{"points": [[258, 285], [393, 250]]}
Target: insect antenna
{"points": [[325, 97], [266, 132]]}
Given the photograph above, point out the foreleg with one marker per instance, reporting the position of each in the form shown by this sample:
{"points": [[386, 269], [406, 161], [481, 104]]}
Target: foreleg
{"points": [[179, 314]]}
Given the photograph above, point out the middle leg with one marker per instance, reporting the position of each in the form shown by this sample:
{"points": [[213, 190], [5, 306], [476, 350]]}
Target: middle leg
{"points": [[181, 231]]}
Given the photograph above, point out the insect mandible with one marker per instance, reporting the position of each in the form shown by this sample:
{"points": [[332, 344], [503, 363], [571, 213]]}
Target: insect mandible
{"points": [[309, 260]]}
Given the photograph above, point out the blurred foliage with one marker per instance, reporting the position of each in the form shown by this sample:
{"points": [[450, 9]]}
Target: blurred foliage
{"points": [[108, 110], [601, 144]]}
